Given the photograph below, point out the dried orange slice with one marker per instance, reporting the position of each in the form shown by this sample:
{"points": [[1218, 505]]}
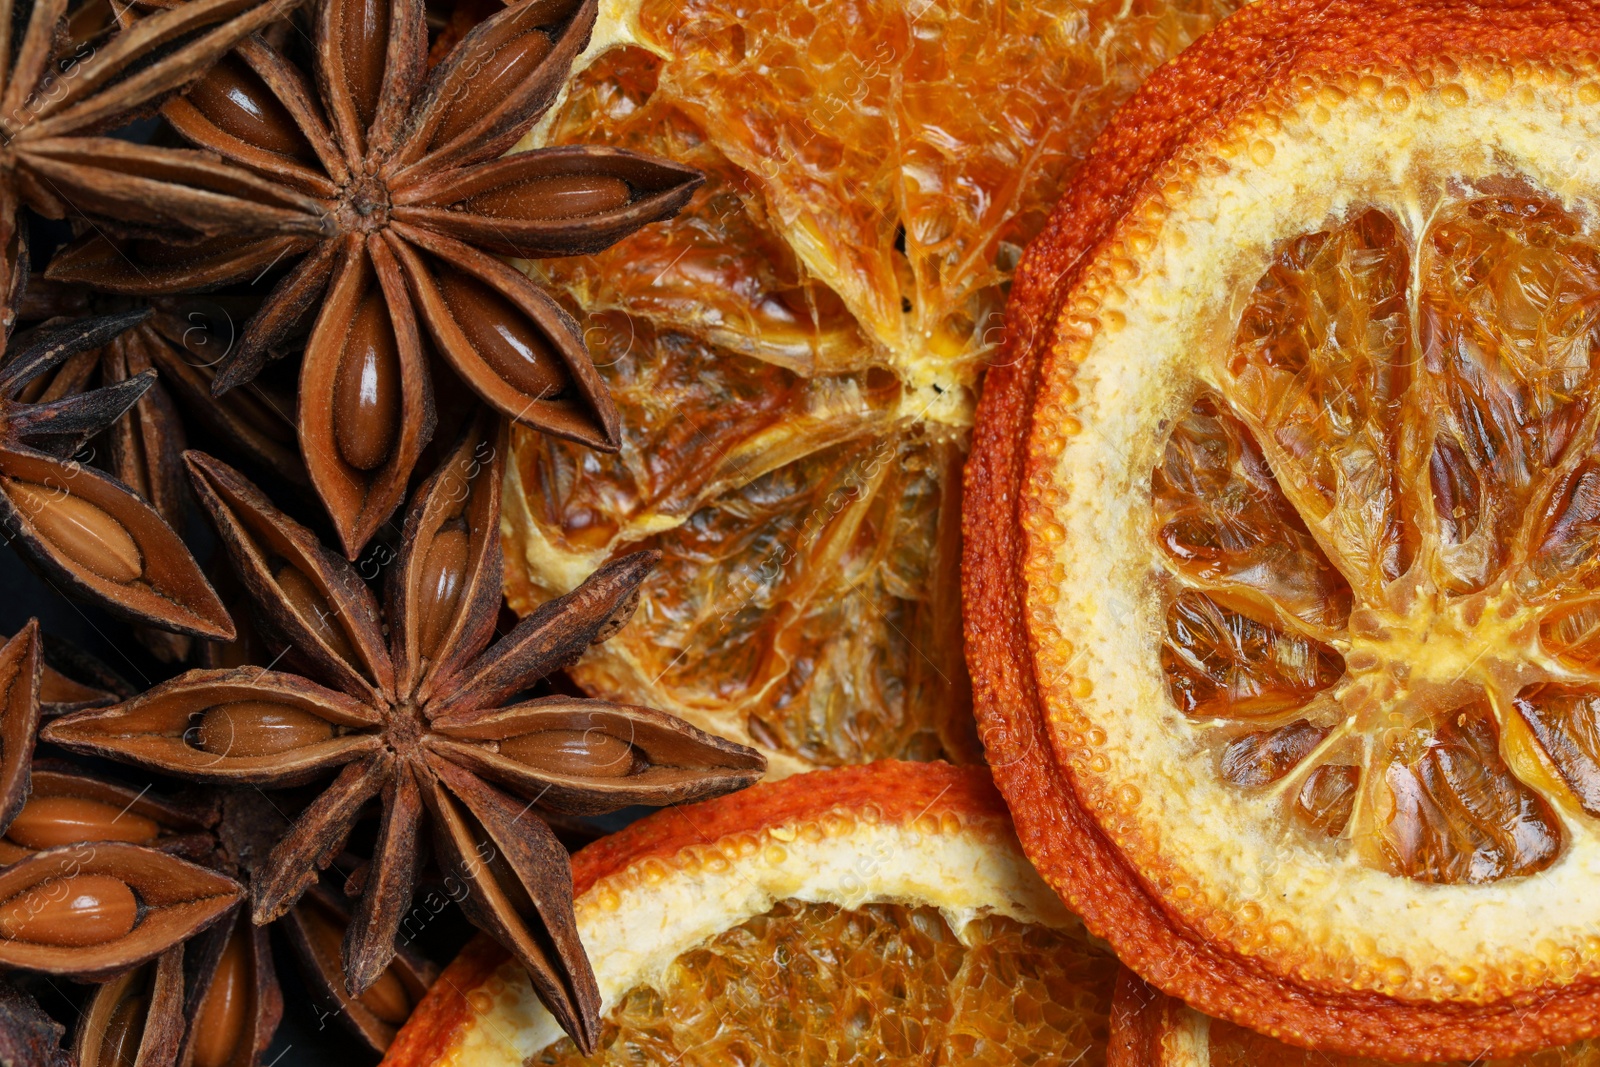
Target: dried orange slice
{"points": [[1281, 523], [878, 914], [1151, 1029], [795, 357]]}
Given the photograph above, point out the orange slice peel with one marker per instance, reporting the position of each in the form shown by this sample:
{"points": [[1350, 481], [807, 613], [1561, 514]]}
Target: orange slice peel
{"points": [[1282, 670]]}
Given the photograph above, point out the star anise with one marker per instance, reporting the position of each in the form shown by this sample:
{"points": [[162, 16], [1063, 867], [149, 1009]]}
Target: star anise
{"points": [[423, 721], [50, 104], [383, 180], [87, 533], [87, 910], [217, 1002]]}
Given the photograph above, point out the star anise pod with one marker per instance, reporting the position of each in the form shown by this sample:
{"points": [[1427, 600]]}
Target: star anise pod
{"points": [[382, 179], [217, 1001], [88, 534], [85, 910], [28, 1036], [50, 104], [424, 721]]}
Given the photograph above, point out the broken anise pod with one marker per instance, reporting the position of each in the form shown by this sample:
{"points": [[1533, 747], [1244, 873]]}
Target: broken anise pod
{"points": [[420, 721], [385, 180], [87, 533], [28, 1037]]}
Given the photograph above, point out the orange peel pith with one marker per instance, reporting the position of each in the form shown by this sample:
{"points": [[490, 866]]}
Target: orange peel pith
{"points": [[880, 913], [1278, 610]]}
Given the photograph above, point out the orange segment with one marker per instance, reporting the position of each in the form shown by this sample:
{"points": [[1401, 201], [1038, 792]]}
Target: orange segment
{"points": [[880, 914], [1279, 589], [796, 355]]}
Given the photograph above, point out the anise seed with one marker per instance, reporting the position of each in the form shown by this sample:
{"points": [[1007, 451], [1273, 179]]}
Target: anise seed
{"points": [[366, 390], [235, 99], [363, 40], [444, 572], [87, 909], [82, 531], [220, 1022], [45, 822], [560, 196], [259, 728], [303, 595], [500, 334], [575, 753], [491, 80], [125, 1029], [386, 998]]}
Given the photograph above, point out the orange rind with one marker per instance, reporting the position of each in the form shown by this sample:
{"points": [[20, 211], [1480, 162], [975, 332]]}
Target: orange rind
{"points": [[1278, 575]]}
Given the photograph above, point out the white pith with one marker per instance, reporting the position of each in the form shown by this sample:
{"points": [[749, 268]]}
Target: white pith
{"points": [[1161, 300], [635, 923]]}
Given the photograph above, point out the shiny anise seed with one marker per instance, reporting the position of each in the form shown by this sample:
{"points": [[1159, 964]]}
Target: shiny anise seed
{"points": [[47, 821], [306, 599], [82, 531], [560, 196], [501, 74], [233, 97], [574, 753], [444, 572], [258, 728], [85, 909], [366, 390], [386, 998], [225, 1009], [501, 336]]}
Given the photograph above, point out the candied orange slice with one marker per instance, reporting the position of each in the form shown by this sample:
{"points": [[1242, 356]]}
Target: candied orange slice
{"points": [[1151, 1029], [879, 914], [1283, 597], [796, 356]]}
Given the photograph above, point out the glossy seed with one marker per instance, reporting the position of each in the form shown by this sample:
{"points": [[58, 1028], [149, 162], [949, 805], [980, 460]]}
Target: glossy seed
{"points": [[314, 608], [386, 998], [259, 728], [239, 103], [221, 1020], [119, 1046], [87, 909], [493, 77], [502, 336], [366, 390], [83, 532], [574, 753], [444, 576], [45, 822], [562, 196], [364, 46]]}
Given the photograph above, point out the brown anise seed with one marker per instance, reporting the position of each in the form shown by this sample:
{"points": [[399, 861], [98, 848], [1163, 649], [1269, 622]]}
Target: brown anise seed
{"points": [[575, 753], [561, 196], [124, 1030], [45, 822], [258, 728], [314, 608], [239, 103], [363, 63], [86, 909], [492, 80], [366, 390], [220, 1023], [386, 998], [82, 531], [514, 350], [444, 571]]}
